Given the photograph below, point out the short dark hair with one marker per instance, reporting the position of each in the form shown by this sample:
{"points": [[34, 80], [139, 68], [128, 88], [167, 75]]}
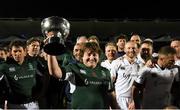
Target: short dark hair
{"points": [[3, 49], [166, 50], [17, 43], [135, 34], [175, 39], [120, 36], [147, 42]]}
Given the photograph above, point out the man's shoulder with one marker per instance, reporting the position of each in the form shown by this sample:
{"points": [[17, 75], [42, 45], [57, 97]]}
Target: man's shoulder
{"points": [[118, 60]]}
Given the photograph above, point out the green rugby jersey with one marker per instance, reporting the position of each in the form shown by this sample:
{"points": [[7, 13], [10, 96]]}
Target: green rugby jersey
{"points": [[92, 85], [21, 78]]}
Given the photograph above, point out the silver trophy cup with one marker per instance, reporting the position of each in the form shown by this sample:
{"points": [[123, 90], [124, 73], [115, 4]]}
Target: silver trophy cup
{"points": [[59, 29]]}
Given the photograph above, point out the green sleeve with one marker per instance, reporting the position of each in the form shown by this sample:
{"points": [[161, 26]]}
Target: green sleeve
{"points": [[64, 59], [65, 70]]}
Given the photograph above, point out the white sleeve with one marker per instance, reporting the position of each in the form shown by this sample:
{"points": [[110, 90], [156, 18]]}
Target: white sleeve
{"points": [[114, 67], [103, 64]]}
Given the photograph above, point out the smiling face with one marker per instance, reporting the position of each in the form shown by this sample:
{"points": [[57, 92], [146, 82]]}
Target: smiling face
{"points": [[90, 54], [131, 49], [110, 52], [90, 58]]}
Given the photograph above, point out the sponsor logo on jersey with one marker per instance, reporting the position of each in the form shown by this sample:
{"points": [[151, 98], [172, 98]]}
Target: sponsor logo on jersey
{"points": [[127, 75], [12, 69], [22, 77], [15, 78], [86, 82]]}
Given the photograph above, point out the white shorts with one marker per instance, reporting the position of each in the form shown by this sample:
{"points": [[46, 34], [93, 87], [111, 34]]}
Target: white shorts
{"points": [[29, 106], [123, 102]]}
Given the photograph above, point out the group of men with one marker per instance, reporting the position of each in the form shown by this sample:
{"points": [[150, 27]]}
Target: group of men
{"points": [[126, 75], [141, 78]]}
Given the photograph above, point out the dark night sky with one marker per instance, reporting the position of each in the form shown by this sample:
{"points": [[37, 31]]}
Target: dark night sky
{"points": [[93, 9], [107, 9]]}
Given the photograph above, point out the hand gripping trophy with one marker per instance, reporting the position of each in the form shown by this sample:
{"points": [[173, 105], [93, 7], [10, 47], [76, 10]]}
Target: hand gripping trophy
{"points": [[55, 30]]}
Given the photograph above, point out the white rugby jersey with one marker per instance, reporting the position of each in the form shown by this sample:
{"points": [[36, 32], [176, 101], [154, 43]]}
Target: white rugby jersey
{"points": [[126, 74], [157, 84], [106, 64]]}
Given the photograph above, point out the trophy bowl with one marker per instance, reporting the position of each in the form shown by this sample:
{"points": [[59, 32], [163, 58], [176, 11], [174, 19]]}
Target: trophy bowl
{"points": [[59, 29]]}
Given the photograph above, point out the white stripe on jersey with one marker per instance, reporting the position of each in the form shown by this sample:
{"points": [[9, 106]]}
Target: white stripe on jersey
{"points": [[68, 75]]}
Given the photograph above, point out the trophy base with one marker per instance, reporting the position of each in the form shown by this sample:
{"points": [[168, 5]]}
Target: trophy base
{"points": [[54, 49]]}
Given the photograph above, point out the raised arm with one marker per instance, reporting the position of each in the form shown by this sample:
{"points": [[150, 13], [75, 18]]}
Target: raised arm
{"points": [[53, 66]]}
